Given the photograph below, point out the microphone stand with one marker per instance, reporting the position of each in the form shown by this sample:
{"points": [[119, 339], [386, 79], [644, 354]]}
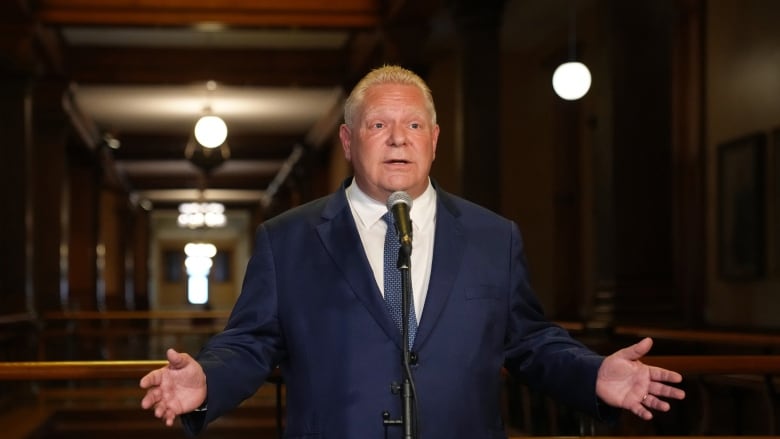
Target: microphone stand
{"points": [[408, 392]]}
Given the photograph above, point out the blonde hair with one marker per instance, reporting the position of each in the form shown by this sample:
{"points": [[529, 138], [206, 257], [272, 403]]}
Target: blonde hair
{"points": [[387, 74]]}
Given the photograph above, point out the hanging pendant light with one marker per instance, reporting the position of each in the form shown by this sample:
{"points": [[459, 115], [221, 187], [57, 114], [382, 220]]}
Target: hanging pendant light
{"points": [[572, 79], [211, 131]]}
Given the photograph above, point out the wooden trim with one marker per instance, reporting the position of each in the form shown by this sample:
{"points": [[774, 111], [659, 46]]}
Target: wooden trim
{"points": [[255, 13], [10, 319], [702, 336], [718, 364], [135, 315], [74, 370]]}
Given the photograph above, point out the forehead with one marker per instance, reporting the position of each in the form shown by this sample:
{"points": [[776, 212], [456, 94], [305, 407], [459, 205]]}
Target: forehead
{"points": [[397, 97]]}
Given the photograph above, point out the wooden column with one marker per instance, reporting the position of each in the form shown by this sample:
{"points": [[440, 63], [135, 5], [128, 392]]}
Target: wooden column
{"points": [[567, 240], [688, 134], [138, 255], [32, 170], [83, 188], [15, 278], [642, 163], [46, 207], [477, 111]]}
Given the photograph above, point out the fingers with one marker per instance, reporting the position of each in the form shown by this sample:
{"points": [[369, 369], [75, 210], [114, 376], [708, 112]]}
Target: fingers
{"points": [[151, 379], [669, 376], [151, 398], [148, 400], [658, 387], [642, 412], [663, 390], [652, 400], [154, 378], [648, 403], [154, 397], [643, 406], [161, 410], [169, 418]]}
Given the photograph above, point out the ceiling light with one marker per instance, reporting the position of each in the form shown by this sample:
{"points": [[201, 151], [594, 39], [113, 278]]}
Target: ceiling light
{"points": [[211, 131], [571, 80], [196, 215], [200, 249]]}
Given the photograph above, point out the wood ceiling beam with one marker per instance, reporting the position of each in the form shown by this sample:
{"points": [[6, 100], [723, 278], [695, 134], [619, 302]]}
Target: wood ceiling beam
{"points": [[257, 180], [130, 65], [245, 13], [410, 12], [265, 146]]}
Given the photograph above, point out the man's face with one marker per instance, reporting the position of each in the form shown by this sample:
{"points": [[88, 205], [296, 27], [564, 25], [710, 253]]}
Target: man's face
{"points": [[392, 142]]}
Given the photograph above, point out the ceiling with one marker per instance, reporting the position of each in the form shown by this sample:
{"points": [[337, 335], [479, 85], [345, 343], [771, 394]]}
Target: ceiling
{"points": [[140, 73]]}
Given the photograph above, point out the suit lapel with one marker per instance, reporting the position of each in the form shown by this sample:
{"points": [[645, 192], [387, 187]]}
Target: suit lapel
{"points": [[448, 251], [339, 235]]}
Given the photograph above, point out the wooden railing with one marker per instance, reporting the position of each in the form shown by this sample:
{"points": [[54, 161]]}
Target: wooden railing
{"points": [[711, 337], [135, 315], [756, 365], [754, 371], [101, 371], [717, 364], [125, 334], [109, 329], [78, 370], [8, 319]]}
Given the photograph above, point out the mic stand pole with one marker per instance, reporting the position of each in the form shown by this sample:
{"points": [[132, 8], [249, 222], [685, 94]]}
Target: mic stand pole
{"points": [[407, 391], [408, 397]]}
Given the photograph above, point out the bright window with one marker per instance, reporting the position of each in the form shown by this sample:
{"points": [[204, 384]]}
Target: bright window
{"points": [[198, 264]]}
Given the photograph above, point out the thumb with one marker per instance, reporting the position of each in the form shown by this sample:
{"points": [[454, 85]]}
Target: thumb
{"points": [[638, 350], [175, 359]]}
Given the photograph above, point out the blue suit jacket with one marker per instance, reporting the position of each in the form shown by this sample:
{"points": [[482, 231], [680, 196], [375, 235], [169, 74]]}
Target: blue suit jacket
{"points": [[310, 304]]}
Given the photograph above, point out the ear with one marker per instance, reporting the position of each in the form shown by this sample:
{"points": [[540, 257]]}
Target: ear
{"points": [[345, 134], [435, 139]]}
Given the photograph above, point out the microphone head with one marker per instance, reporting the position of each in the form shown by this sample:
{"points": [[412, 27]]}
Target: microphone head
{"points": [[399, 197]]}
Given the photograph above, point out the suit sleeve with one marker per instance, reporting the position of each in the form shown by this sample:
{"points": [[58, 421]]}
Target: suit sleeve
{"points": [[542, 353], [238, 360]]}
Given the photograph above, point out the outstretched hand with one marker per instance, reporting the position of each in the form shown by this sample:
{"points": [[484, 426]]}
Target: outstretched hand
{"points": [[624, 381], [179, 387]]}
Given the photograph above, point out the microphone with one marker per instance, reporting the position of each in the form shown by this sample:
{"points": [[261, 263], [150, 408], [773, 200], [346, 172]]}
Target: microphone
{"points": [[400, 203]]}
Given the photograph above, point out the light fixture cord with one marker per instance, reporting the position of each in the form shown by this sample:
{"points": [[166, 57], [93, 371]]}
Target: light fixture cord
{"points": [[572, 31]]}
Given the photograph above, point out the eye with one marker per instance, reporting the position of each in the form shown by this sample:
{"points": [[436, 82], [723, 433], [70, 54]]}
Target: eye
{"points": [[414, 125], [377, 125]]}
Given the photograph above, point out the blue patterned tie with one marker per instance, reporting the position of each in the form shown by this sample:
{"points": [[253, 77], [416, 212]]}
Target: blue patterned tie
{"points": [[393, 288]]}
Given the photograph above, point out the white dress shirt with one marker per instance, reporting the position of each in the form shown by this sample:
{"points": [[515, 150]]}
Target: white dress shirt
{"points": [[371, 228]]}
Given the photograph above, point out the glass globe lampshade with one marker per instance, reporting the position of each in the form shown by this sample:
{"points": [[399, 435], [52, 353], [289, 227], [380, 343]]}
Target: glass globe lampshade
{"points": [[200, 249], [571, 80], [210, 131]]}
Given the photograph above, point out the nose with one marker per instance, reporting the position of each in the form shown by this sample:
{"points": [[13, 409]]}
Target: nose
{"points": [[397, 136]]}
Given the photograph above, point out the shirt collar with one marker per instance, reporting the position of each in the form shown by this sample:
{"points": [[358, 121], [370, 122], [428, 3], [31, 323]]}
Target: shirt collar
{"points": [[368, 210]]}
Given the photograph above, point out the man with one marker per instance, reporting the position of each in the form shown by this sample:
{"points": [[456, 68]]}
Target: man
{"points": [[312, 303]]}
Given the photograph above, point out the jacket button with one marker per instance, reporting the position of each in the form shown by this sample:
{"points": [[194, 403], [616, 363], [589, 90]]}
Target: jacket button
{"points": [[413, 358]]}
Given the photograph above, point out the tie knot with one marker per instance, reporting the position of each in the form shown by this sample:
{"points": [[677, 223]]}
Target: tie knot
{"points": [[388, 218]]}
